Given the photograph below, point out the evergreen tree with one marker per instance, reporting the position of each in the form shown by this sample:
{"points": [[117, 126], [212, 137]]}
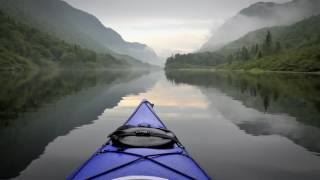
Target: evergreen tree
{"points": [[269, 39], [259, 55], [257, 49], [230, 58], [267, 46], [253, 50], [244, 53], [278, 47], [238, 55]]}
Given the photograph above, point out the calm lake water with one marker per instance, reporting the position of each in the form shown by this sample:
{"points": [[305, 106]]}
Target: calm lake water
{"points": [[237, 126]]}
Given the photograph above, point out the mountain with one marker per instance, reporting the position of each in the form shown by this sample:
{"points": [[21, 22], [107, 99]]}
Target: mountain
{"points": [[58, 18], [25, 48], [259, 15], [290, 48], [297, 35], [294, 47]]}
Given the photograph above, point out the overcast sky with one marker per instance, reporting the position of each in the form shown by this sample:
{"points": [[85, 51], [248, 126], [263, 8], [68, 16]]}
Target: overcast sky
{"points": [[164, 25]]}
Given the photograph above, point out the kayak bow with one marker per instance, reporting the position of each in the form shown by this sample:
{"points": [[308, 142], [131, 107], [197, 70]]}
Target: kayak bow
{"points": [[143, 148]]}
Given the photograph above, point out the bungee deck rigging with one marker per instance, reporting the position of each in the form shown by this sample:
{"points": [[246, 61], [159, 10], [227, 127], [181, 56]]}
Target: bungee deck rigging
{"points": [[143, 147]]}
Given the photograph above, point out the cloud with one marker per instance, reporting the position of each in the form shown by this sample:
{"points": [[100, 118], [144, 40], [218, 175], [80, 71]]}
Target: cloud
{"points": [[180, 25], [175, 34]]}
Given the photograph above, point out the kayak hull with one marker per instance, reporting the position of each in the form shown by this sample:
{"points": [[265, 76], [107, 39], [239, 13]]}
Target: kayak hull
{"points": [[146, 163]]}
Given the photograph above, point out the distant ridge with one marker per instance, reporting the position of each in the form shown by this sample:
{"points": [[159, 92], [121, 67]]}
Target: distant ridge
{"points": [[75, 26], [24, 48], [259, 15], [293, 48]]}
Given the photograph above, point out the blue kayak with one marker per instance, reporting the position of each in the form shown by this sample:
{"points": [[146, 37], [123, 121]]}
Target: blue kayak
{"points": [[143, 148]]}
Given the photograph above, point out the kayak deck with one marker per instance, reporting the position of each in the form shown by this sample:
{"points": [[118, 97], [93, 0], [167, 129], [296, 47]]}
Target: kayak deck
{"points": [[111, 162]]}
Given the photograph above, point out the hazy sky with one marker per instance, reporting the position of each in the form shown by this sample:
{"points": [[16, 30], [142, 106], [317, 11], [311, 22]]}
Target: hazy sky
{"points": [[164, 25]]}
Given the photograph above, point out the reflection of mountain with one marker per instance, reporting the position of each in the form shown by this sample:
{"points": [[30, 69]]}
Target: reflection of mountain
{"points": [[265, 101], [35, 111]]}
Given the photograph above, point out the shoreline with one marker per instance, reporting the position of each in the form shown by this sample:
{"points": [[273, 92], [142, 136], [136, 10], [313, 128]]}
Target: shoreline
{"points": [[242, 71]]}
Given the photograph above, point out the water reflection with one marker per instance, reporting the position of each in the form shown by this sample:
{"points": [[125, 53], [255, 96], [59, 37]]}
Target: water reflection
{"points": [[239, 122], [290, 103], [37, 108]]}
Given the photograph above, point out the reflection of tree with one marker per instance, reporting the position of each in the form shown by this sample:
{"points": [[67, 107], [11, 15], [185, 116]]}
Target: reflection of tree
{"points": [[27, 125], [295, 94], [243, 86], [253, 92], [266, 103], [275, 95], [26, 92], [265, 95]]}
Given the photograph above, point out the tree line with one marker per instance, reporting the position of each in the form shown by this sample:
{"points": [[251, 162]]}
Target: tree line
{"points": [[256, 51], [209, 59], [205, 59], [23, 47]]}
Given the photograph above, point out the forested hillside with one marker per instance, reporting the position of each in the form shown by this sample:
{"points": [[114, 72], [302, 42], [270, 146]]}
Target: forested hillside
{"points": [[288, 48], [284, 48], [260, 15], [23, 48], [72, 25]]}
